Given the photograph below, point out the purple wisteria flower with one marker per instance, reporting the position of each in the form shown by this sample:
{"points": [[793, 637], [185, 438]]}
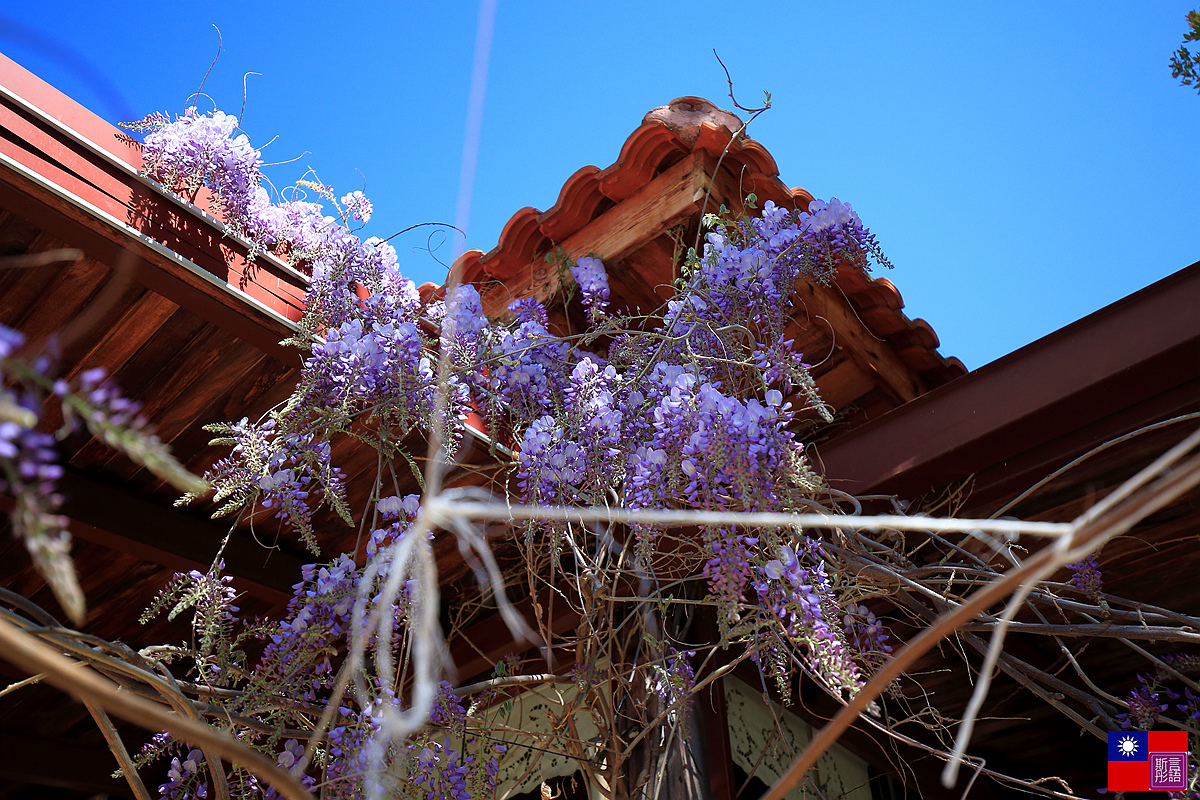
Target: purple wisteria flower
{"points": [[399, 513], [529, 310], [706, 443], [296, 660], [528, 366], [549, 464], [10, 340], [592, 279], [686, 412], [576, 456], [381, 366], [1087, 578], [29, 473], [448, 762], [675, 678], [463, 324], [750, 270], [357, 205], [801, 597], [184, 780], [728, 571], [577, 461], [1145, 707], [202, 150], [837, 233], [359, 758], [108, 405], [865, 631], [289, 759]]}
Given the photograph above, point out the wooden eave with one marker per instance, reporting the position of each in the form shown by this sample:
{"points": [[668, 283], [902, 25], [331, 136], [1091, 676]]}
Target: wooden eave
{"points": [[158, 292], [162, 296]]}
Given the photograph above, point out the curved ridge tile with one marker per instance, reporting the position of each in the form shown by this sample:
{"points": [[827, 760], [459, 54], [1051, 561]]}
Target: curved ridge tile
{"points": [[715, 139], [883, 322], [467, 267], [743, 160], [686, 116], [920, 335], [852, 280], [520, 242], [667, 134], [744, 154], [918, 347], [751, 153], [428, 290], [576, 204], [801, 197], [641, 155], [953, 367], [888, 290]]}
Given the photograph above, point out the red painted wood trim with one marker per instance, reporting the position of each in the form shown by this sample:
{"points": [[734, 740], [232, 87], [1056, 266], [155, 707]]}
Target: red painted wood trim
{"points": [[79, 170], [54, 103]]}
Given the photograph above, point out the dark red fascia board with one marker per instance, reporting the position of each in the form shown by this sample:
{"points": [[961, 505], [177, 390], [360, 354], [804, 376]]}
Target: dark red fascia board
{"points": [[78, 118], [1136, 348]]}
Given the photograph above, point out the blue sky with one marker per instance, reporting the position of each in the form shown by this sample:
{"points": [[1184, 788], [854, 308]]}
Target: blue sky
{"points": [[1023, 164]]}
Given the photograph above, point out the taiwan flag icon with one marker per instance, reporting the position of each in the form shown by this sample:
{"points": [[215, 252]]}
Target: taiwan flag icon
{"points": [[1147, 760]]}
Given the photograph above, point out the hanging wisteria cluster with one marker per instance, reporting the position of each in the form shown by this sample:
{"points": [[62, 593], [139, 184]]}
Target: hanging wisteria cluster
{"points": [[695, 411]]}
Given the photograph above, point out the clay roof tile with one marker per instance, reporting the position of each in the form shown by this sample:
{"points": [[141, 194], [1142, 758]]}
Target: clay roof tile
{"points": [[691, 127]]}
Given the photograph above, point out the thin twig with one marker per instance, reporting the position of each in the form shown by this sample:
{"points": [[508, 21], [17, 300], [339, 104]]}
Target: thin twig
{"points": [[118, 750]]}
